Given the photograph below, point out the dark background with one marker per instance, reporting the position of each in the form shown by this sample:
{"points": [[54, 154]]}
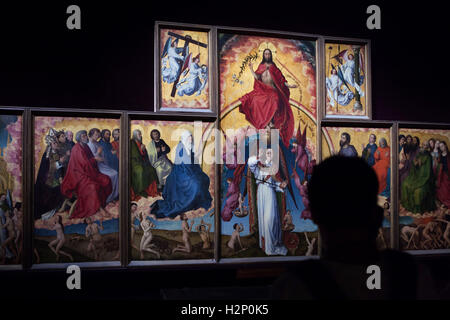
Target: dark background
{"points": [[108, 64]]}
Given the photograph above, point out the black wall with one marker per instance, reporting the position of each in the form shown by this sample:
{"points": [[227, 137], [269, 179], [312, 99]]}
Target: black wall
{"points": [[109, 62]]}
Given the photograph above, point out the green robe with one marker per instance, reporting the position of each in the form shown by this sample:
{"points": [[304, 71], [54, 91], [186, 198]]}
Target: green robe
{"points": [[418, 190], [142, 172]]}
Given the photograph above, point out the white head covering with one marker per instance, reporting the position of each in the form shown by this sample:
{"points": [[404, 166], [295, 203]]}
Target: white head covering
{"points": [[184, 140]]}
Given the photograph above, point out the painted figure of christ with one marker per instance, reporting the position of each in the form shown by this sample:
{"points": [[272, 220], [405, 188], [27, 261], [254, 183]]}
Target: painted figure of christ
{"points": [[267, 106]]}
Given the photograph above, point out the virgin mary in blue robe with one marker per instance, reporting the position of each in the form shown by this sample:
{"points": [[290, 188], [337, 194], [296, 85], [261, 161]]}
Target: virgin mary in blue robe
{"points": [[187, 186]]}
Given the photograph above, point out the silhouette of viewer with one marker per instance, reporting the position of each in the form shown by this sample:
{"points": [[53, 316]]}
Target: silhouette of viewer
{"points": [[343, 193]]}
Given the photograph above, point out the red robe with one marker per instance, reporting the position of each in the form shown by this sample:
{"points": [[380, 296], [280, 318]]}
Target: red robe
{"points": [[382, 163], [443, 183], [265, 103], [85, 180], [115, 145]]}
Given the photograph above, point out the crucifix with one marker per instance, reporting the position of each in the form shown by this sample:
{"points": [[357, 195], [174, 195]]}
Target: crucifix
{"points": [[187, 39]]}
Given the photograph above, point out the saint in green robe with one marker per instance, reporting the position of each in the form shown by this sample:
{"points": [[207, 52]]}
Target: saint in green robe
{"points": [[144, 179], [418, 190]]}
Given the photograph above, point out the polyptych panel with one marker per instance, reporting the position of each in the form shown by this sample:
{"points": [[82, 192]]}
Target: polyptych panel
{"points": [[268, 115], [76, 189], [172, 172]]}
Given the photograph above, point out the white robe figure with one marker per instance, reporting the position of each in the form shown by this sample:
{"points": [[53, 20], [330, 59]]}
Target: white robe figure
{"points": [[105, 169], [175, 59], [348, 69], [195, 82], [336, 93], [269, 224]]}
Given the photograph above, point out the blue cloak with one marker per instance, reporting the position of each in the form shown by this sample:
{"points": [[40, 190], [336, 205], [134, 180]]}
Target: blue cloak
{"points": [[186, 188]]}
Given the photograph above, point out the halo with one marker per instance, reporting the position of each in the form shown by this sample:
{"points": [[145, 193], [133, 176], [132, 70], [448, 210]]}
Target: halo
{"points": [[267, 45]]}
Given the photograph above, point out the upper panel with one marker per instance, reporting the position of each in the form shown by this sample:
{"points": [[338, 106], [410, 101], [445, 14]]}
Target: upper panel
{"points": [[347, 80], [184, 81]]}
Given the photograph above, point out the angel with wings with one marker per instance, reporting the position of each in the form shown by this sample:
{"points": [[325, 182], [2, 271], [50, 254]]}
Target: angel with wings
{"points": [[303, 157], [172, 60], [194, 77], [348, 66]]}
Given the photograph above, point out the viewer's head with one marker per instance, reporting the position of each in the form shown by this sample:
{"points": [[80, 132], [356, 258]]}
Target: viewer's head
{"points": [[350, 187]]}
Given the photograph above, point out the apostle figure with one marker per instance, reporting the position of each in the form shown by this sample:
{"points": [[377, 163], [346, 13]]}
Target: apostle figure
{"points": [[269, 221], [418, 188], [268, 104], [401, 142], [187, 186], [409, 152], [347, 149], [84, 179], [157, 154], [369, 150], [103, 167], [382, 158], [63, 151], [48, 197], [111, 159], [443, 176], [69, 139], [115, 144], [144, 179]]}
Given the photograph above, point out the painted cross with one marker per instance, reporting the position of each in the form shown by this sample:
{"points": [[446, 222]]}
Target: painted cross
{"points": [[187, 39]]}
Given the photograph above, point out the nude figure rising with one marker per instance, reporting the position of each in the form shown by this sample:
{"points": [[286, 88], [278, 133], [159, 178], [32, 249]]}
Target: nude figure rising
{"points": [[186, 230]]}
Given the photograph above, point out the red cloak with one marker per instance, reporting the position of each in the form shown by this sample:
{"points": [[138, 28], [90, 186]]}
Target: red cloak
{"points": [[116, 146], [85, 180], [382, 163], [265, 103]]}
